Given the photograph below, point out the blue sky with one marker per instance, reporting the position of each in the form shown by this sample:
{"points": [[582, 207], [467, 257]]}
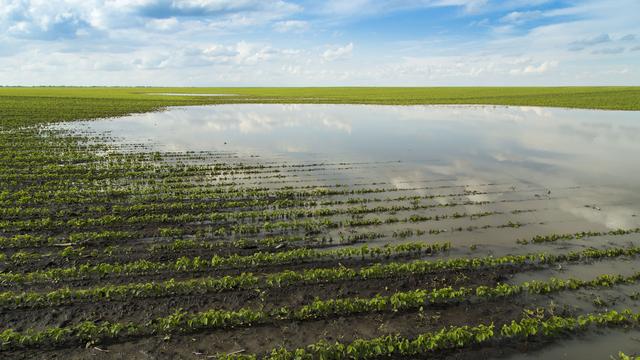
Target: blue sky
{"points": [[319, 43]]}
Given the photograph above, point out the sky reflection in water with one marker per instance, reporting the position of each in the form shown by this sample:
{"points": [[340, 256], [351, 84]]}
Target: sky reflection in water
{"points": [[526, 146]]}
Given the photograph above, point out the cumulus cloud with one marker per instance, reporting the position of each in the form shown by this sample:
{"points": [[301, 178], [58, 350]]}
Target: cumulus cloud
{"points": [[168, 24], [470, 6], [55, 19], [535, 69], [238, 54], [339, 52], [22, 19], [201, 8], [250, 42]]}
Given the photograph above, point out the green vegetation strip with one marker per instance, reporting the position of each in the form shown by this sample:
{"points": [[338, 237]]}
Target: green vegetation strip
{"points": [[170, 202], [181, 322], [69, 252], [453, 337], [579, 235], [229, 218], [42, 104], [419, 267], [237, 214], [623, 356], [288, 277], [186, 264]]}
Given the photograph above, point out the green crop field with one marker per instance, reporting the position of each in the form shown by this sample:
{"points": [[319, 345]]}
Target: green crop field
{"points": [[67, 103], [118, 249], [319, 180]]}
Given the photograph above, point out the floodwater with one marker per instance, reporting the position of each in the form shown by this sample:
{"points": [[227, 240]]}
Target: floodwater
{"points": [[584, 162], [548, 170], [575, 169]]}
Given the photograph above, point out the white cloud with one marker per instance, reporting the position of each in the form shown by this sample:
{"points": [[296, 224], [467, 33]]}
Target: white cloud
{"points": [[339, 52], [291, 25], [542, 68], [535, 69], [520, 17], [472, 6], [251, 42], [238, 54], [167, 24], [55, 19]]}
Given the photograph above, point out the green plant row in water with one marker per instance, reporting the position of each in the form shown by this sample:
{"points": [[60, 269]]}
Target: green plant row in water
{"points": [[187, 322], [186, 264], [232, 221], [579, 235], [200, 212], [152, 189], [106, 237], [450, 338], [447, 338], [416, 299], [203, 240], [70, 252], [106, 170], [419, 267], [158, 197], [623, 356], [276, 280], [174, 202], [31, 240]]}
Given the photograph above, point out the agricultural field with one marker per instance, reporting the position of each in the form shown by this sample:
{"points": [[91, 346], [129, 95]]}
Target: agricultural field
{"points": [[319, 223]]}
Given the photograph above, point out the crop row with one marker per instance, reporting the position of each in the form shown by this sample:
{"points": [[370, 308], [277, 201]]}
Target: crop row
{"points": [[180, 321], [31, 240], [109, 169], [110, 237], [206, 212], [248, 206], [579, 235], [101, 169], [289, 278], [183, 322], [450, 338], [623, 356], [186, 264], [76, 250], [268, 244], [251, 182], [158, 192], [224, 184], [230, 223]]}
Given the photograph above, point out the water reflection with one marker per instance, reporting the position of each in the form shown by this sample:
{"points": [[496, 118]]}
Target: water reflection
{"points": [[552, 170], [524, 147]]}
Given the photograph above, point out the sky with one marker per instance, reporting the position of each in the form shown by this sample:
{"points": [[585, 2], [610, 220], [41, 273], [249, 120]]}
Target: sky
{"points": [[319, 43]]}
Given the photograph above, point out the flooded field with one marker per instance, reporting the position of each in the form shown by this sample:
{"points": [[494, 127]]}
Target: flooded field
{"points": [[250, 231], [552, 170]]}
